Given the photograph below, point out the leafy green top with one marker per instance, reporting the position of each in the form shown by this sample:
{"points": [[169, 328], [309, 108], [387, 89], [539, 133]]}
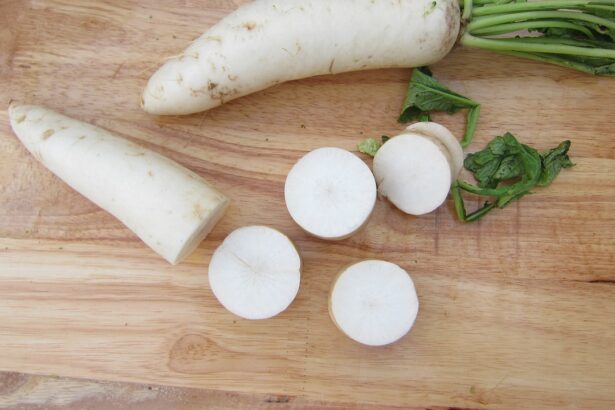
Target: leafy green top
{"points": [[425, 95], [507, 170], [578, 34]]}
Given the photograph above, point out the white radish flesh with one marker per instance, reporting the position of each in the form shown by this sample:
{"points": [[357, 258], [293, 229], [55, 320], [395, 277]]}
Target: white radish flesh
{"points": [[413, 172], [267, 42], [330, 193], [169, 207], [373, 302], [255, 273], [441, 134]]}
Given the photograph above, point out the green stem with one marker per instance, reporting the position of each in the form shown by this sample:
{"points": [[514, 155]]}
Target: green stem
{"points": [[473, 189], [536, 5], [528, 25], [472, 122], [488, 21], [603, 8], [518, 44], [545, 58], [460, 207], [491, 2], [467, 10]]}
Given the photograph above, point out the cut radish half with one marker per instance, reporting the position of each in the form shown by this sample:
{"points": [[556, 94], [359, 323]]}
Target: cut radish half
{"points": [[445, 137], [413, 172], [330, 193], [255, 272], [374, 302]]}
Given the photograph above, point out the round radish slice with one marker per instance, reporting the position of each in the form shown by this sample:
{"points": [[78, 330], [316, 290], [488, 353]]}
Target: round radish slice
{"points": [[255, 272], [330, 193], [413, 172], [374, 302], [445, 137]]}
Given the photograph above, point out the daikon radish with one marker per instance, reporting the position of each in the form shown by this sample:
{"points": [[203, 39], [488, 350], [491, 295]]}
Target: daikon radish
{"points": [[414, 172], [330, 193], [373, 302], [267, 42], [255, 273], [442, 135], [169, 207]]}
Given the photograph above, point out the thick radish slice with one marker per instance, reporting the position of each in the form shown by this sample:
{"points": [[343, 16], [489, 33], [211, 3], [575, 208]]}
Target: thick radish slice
{"points": [[169, 207], [444, 136], [330, 193], [255, 272], [373, 302], [413, 172], [268, 42]]}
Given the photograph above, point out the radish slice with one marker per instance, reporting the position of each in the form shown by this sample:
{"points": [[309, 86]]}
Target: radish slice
{"points": [[441, 134], [330, 193], [374, 302], [255, 272], [413, 172]]}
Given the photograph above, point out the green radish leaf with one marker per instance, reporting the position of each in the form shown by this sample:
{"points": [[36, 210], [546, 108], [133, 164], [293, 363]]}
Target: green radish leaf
{"points": [[370, 146], [507, 170], [553, 161], [425, 95]]}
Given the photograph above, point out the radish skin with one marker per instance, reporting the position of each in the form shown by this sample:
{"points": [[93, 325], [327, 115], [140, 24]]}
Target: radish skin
{"points": [[373, 302], [267, 42], [169, 207]]}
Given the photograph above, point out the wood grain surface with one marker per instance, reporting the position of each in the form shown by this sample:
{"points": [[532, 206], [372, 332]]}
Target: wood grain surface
{"points": [[517, 311], [20, 391]]}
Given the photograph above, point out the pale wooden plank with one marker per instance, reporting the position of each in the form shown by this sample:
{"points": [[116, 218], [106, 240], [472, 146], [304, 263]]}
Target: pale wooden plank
{"points": [[516, 311]]}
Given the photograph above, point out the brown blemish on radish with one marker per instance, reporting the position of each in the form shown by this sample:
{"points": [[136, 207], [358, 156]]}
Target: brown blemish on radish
{"points": [[211, 86], [20, 119], [47, 134], [249, 25], [150, 173], [198, 211], [180, 78], [232, 77]]}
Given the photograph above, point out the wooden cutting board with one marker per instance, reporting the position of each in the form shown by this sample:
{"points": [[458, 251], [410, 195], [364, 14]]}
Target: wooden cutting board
{"points": [[517, 311]]}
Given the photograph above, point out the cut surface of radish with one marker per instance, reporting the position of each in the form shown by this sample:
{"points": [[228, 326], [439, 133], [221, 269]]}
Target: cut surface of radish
{"points": [[445, 137], [330, 193], [255, 272], [374, 302], [413, 172]]}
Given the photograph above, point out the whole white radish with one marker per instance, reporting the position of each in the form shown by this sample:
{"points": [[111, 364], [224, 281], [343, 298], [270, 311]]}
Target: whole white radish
{"points": [[373, 302], [169, 207], [267, 42], [414, 172], [441, 134], [330, 193], [255, 273]]}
